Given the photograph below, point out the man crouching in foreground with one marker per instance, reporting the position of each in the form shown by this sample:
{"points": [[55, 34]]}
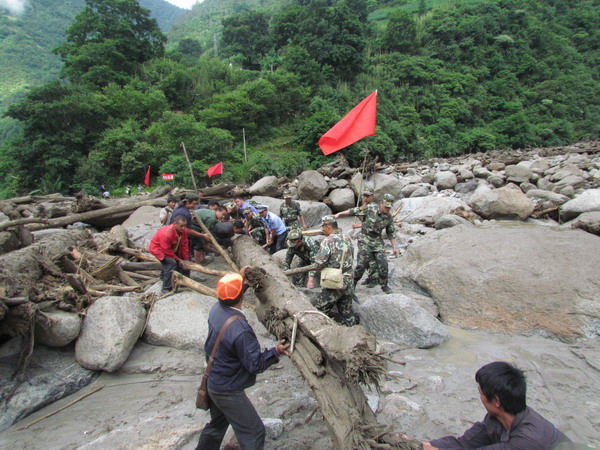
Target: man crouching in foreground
{"points": [[510, 423], [236, 363]]}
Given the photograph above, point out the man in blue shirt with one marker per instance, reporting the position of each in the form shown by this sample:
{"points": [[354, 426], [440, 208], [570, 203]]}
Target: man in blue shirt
{"points": [[236, 363], [276, 230]]}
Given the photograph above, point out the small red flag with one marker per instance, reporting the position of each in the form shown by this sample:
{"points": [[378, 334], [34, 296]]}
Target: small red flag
{"points": [[215, 170], [355, 125], [147, 179]]}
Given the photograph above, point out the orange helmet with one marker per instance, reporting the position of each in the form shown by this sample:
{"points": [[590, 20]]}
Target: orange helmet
{"points": [[230, 286]]}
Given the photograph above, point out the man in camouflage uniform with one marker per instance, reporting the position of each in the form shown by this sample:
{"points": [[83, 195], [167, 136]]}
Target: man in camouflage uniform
{"points": [[359, 211], [290, 212], [337, 250], [306, 249], [372, 248], [255, 226]]}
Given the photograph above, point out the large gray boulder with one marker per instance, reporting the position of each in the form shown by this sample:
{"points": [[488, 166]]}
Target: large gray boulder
{"points": [[179, 321], [518, 173], [341, 199], [507, 202], [449, 221], [110, 330], [445, 180], [589, 221], [51, 374], [312, 211], [511, 277], [142, 225], [399, 319], [427, 210], [388, 184], [61, 329], [587, 201], [265, 186], [312, 185]]}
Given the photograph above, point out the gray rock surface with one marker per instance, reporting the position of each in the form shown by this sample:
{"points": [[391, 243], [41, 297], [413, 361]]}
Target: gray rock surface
{"points": [[341, 199], [397, 318], [511, 277], [8, 242], [179, 321], [312, 185], [589, 222], [52, 374], [587, 201], [110, 330], [265, 186], [388, 184], [142, 225], [62, 329], [427, 209], [445, 180], [450, 220], [517, 173], [507, 202]]}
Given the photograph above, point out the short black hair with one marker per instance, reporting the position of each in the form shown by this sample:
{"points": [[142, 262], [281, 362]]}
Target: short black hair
{"points": [[170, 199], [221, 209], [238, 224], [506, 382], [179, 218], [213, 202]]}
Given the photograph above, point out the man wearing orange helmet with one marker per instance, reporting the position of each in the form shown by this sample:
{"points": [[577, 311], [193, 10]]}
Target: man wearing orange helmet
{"points": [[234, 368]]}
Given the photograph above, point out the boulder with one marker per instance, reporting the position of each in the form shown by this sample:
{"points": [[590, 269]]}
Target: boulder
{"points": [[518, 173], [450, 220], [589, 221], [467, 187], [422, 190], [510, 277], [62, 329], [496, 165], [142, 225], [312, 211], [52, 374], [587, 201], [427, 210], [445, 180], [481, 172], [312, 185], [388, 184], [548, 196], [265, 186], [341, 199], [496, 180], [465, 174], [338, 184], [545, 184], [573, 181], [566, 171], [180, 321], [357, 183], [110, 330], [8, 242], [4, 217], [397, 318], [507, 202], [539, 166]]}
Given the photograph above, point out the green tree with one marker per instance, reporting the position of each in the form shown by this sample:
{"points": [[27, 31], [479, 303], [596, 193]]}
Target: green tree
{"points": [[247, 35], [401, 32], [108, 41]]}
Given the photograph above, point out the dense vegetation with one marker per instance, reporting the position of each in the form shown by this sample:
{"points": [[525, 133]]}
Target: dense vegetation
{"points": [[452, 78]]}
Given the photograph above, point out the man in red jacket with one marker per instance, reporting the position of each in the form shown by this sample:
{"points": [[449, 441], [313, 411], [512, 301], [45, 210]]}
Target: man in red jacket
{"points": [[170, 245]]}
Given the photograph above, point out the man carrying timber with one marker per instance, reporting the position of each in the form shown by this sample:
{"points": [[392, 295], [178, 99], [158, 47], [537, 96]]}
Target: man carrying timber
{"points": [[255, 226], [372, 248], [337, 252], [290, 212], [306, 249], [170, 246]]}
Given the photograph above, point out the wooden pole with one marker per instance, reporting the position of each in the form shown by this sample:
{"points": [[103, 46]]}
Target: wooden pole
{"points": [[190, 166], [216, 244], [244, 138]]}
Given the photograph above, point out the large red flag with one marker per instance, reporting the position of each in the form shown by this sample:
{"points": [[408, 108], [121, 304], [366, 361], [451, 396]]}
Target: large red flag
{"points": [[147, 179], [355, 125], [215, 170]]}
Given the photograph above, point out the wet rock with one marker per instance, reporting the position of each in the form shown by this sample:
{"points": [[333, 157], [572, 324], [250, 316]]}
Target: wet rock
{"points": [[589, 221], [512, 277], [450, 220], [341, 199], [588, 201], [445, 180], [504, 203], [61, 329], [52, 374], [312, 211], [312, 185], [397, 318], [265, 186], [110, 330], [179, 321]]}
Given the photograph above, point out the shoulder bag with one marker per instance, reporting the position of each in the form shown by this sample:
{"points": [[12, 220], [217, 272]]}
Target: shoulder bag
{"points": [[332, 278], [202, 398]]}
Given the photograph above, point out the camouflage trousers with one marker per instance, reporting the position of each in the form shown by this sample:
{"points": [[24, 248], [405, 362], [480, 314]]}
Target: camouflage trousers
{"points": [[300, 279], [259, 236], [342, 299], [372, 256]]}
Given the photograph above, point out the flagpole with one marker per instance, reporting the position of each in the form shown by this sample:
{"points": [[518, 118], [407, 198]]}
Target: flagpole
{"points": [[190, 166], [362, 172]]}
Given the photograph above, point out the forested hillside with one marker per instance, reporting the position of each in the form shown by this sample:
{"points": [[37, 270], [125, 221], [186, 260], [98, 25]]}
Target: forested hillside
{"points": [[27, 40], [453, 77]]}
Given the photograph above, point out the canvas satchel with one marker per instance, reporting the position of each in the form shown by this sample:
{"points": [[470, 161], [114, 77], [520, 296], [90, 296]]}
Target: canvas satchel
{"points": [[333, 278], [202, 398]]}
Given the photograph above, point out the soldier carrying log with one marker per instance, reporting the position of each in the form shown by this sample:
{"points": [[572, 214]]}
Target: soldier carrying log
{"points": [[306, 249]]}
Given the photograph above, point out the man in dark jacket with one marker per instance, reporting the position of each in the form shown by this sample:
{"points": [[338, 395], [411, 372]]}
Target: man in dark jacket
{"points": [[236, 363], [510, 423]]}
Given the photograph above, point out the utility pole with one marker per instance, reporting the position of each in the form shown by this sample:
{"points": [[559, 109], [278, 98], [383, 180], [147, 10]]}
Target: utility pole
{"points": [[244, 138]]}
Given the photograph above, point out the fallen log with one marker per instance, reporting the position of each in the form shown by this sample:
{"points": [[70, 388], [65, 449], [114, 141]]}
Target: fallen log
{"points": [[89, 216], [219, 189], [134, 266], [189, 265], [131, 252], [215, 244], [182, 280], [14, 223], [42, 198], [332, 359], [300, 270]]}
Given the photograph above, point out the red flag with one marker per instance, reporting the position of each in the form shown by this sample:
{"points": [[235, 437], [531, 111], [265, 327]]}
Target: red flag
{"points": [[355, 125], [147, 179], [215, 170]]}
